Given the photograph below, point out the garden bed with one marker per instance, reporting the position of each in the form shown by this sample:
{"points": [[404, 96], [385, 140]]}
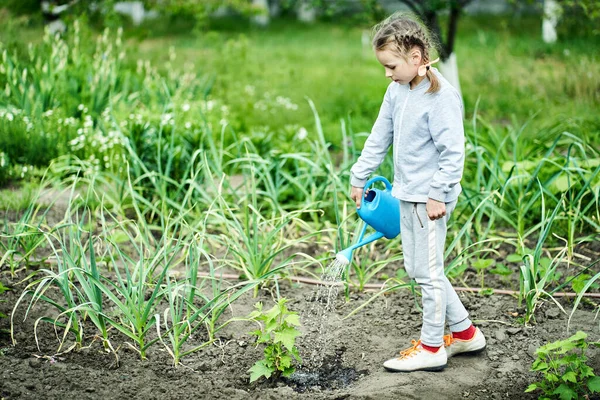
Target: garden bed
{"points": [[356, 348]]}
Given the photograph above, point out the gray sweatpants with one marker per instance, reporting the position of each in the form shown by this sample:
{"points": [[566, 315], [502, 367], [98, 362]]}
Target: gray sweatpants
{"points": [[423, 243]]}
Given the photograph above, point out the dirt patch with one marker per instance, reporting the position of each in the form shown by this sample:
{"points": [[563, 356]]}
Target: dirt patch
{"points": [[357, 346]]}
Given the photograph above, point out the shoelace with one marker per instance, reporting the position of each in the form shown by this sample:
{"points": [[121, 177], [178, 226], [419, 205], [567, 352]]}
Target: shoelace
{"points": [[448, 340], [411, 350]]}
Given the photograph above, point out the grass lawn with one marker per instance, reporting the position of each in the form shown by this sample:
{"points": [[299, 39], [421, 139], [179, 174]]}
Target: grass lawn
{"points": [[503, 63]]}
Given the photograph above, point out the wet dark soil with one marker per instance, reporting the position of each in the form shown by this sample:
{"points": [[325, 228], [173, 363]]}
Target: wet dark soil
{"points": [[330, 375]]}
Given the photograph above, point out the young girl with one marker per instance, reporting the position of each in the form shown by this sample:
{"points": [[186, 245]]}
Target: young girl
{"points": [[421, 116]]}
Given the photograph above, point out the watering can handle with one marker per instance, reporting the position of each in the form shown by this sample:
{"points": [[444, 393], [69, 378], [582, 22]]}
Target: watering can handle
{"points": [[371, 181]]}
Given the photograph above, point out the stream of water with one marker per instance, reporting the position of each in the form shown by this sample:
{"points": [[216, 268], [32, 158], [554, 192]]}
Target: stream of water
{"points": [[321, 310]]}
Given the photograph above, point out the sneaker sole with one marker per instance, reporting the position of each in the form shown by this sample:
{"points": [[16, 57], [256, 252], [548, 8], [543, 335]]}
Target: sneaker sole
{"points": [[429, 369], [470, 352]]}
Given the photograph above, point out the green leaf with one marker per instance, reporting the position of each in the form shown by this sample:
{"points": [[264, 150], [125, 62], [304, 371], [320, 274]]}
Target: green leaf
{"points": [[288, 371], [483, 263], [578, 283], [585, 371], [551, 378], [501, 269], [522, 166], [560, 184], [264, 338], [119, 237], [531, 388], [284, 362], [293, 319], [539, 365], [594, 384], [579, 335], [514, 258], [296, 354], [287, 337], [260, 369], [570, 377], [565, 392], [272, 314], [257, 332]]}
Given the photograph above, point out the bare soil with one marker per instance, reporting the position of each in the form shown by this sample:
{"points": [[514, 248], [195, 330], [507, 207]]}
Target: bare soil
{"points": [[352, 369]]}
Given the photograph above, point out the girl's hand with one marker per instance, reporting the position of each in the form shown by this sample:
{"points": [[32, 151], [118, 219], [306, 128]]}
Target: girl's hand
{"points": [[356, 194], [435, 209]]}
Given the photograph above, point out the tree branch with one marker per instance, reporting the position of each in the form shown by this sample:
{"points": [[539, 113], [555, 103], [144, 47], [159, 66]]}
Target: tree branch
{"points": [[413, 6]]}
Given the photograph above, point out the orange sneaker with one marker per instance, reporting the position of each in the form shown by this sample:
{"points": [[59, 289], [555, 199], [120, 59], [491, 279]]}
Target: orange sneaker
{"points": [[456, 346]]}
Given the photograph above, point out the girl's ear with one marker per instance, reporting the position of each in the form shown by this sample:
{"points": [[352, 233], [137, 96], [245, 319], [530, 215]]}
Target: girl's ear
{"points": [[415, 56]]}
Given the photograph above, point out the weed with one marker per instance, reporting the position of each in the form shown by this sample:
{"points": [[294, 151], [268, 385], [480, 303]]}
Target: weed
{"points": [[279, 335], [565, 373]]}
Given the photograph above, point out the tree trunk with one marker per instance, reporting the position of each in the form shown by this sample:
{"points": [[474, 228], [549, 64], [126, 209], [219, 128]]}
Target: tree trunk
{"points": [[262, 16], [274, 8], [552, 13], [306, 11], [449, 68], [133, 9]]}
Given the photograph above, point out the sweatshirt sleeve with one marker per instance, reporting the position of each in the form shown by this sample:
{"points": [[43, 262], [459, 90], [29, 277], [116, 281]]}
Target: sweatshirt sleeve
{"points": [[447, 132], [376, 145]]}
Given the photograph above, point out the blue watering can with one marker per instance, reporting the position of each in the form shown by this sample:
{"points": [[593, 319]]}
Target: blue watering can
{"points": [[378, 209]]}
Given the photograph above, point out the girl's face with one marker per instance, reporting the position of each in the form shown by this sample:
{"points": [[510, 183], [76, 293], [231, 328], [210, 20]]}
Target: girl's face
{"points": [[399, 69]]}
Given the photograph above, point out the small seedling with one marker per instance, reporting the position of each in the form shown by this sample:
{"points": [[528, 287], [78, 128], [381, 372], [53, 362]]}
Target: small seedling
{"points": [[279, 334], [565, 372]]}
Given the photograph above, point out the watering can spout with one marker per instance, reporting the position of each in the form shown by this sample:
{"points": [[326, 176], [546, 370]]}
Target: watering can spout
{"points": [[344, 256]]}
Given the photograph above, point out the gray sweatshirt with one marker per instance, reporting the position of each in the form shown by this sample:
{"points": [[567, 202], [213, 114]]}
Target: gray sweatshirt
{"points": [[427, 134]]}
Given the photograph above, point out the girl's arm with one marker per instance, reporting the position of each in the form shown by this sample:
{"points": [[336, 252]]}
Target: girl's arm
{"points": [[376, 145], [447, 132]]}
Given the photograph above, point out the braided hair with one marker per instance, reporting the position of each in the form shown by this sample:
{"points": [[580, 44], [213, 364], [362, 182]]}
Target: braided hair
{"points": [[402, 32]]}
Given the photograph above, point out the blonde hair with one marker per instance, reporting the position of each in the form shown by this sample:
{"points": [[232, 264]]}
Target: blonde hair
{"points": [[402, 32]]}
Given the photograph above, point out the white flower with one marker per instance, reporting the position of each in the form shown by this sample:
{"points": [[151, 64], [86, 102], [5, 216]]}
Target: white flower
{"points": [[188, 125], [302, 133], [185, 107], [166, 118], [9, 116]]}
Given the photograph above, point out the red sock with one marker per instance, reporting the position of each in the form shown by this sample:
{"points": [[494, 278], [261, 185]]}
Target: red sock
{"points": [[467, 334], [430, 348]]}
